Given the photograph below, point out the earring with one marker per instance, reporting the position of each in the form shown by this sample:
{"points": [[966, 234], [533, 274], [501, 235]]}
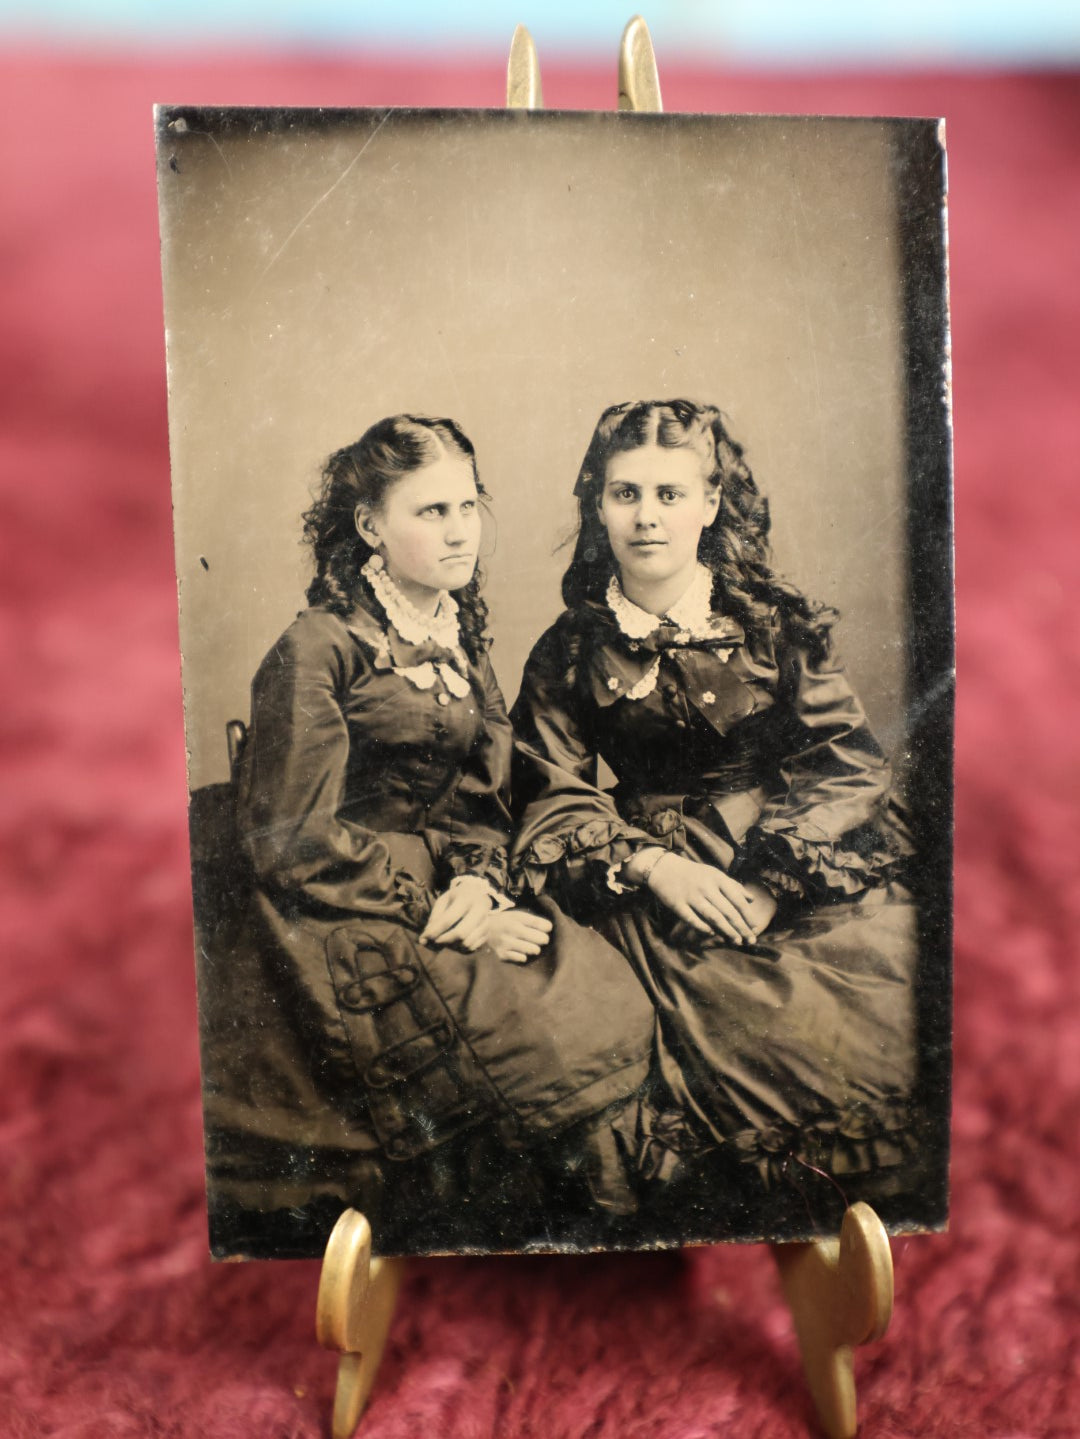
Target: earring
{"points": [[376, 561]]}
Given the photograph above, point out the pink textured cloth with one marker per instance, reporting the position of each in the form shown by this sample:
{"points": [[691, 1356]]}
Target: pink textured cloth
{"points": [[112, 1320]]}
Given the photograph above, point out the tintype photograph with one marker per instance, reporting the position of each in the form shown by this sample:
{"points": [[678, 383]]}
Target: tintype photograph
{"points": [[563, 535]]}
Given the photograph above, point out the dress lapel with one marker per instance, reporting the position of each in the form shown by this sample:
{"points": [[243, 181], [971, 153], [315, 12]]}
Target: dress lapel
{"points": [[720, 691], [715, 672]]}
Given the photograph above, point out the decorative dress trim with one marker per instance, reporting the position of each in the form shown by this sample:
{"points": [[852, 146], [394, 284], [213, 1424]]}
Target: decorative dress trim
{"points": [[441, 628], [647, 683], [411, 625], [499, 900], [423, 677], [692, 613]]}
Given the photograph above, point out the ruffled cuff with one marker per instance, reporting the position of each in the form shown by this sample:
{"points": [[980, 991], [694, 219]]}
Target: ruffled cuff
{"points": [[413, 899], [596, 849], [783, 887], [460, 860], [796, 863], [667, 832], [499, 898], [664, 826]]}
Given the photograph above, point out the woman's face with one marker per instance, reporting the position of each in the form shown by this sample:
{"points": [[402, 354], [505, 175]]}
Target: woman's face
{"points": [[654, 504], [427, 527]]}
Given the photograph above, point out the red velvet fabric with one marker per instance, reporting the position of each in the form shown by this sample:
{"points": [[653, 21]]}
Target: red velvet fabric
{"points": [[112, 1320]]}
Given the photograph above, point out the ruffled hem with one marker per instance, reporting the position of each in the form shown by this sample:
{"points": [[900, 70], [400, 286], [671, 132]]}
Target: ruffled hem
{"points": [[663, 1144], [796, 864], [666, 1144], [863, 1139]]}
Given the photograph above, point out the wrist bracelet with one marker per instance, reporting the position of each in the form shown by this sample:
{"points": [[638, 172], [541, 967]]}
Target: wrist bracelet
{"points": [[645, 875]]}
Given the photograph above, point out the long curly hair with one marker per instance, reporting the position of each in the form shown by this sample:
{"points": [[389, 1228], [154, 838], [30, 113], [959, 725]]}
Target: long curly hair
{"points": [[362, 474], [735, 546]]}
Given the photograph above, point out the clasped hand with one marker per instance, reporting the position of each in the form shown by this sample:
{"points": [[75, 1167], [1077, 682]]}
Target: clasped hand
{"points": [[463, 918], [710, 901]]}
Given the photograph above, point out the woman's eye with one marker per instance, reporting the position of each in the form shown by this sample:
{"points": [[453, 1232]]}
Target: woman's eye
{"points": [[626, 493], [669, 497], [432, 511], [469, 506]]}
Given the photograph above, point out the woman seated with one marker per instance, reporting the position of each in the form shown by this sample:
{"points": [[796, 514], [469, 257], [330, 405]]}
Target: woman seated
{"points": [[393, 1032], [746, 861]]}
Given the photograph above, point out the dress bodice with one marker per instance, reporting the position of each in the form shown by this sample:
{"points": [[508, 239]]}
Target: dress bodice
{"points": [[374, 771], [707, 721], [758, 739], [409, 737]]}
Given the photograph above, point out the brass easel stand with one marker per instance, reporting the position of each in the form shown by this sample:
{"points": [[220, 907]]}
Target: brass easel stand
{"points": [[839, 1291], [353, 1312]]}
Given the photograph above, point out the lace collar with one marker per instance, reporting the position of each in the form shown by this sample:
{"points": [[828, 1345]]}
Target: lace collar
{"points": [[441, 628], [692, 612], [444, 667], [694, 623]]}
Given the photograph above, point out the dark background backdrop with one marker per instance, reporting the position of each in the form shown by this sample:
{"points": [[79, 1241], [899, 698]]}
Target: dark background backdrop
{"points": [[112, 1321]]}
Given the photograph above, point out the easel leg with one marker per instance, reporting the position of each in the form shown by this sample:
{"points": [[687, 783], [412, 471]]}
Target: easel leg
{"points": [[840, 1293], [353, 1313]]}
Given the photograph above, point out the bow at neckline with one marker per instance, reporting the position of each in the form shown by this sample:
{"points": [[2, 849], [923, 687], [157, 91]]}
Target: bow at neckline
{"points": [[694, 640], [668, 635]]}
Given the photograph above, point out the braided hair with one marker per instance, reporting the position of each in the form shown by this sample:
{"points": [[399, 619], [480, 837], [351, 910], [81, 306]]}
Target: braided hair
{"points": [[735, 546], [362, 474]]}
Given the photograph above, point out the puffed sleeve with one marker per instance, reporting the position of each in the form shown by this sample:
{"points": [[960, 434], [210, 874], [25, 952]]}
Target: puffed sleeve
{"points": [[571, 838], [828, 833], [292, 780], [479, 817]]}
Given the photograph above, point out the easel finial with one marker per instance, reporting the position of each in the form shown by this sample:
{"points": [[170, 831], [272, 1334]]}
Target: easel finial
{"points": [[523, 89], [639, 81]]}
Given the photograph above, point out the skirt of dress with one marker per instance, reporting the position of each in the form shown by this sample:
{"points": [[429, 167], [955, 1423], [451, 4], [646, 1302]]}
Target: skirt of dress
{"points": [[346, 1063], [797, 1051]]}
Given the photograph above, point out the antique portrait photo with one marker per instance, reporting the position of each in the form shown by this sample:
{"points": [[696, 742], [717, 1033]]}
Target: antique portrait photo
{"points": [[563, 533]]}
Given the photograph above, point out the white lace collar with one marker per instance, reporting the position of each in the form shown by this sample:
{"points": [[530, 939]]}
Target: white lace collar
{"points": [[440, 629], [414, 627], [692, 612]]}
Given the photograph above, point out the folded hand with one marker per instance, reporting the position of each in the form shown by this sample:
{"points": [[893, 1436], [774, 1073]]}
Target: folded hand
{"points": [[516, 935], [461, 915], [709, 900]]}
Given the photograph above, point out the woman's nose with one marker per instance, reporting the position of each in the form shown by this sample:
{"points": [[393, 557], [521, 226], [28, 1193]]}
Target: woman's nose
{"points": [[646, 513], [454, 530]]}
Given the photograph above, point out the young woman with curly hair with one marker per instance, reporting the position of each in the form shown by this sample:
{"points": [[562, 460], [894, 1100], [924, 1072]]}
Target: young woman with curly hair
{"points": [[747, 860], [423, 1048]]}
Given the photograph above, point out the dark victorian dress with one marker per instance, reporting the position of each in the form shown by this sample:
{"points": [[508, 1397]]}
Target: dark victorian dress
{"points": [[794, 1053], [345, 1060]]}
